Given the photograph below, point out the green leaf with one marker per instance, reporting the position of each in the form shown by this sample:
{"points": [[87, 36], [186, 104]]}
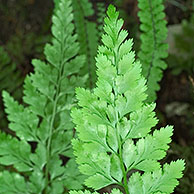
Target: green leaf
{"points": [[116, 171], [14, 152], [147, 150], [160, 181], [12, 183], [72, 177], [142, 121], [98, 181]]}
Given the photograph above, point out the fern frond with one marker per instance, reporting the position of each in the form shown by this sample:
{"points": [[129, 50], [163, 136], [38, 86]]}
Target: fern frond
{"points": [[101, 14], [43, 127], [153, 49], [113, 122], [87, 36], [10, 79]]}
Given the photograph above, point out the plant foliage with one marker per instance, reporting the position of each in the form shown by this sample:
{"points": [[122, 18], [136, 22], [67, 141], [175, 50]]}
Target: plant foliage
{"points": [[114, 144], [101, 13], [87, 36], [9, 75], [42, 127], [89, 33], [153, 49]]}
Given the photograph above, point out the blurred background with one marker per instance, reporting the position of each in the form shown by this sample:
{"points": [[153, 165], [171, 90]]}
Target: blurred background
{"points": [[25, 28]]}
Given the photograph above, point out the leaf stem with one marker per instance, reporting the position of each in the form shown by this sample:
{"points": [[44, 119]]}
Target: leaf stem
{"points": [[124, 172], [154, 41], [54, 112], [125, 185]]}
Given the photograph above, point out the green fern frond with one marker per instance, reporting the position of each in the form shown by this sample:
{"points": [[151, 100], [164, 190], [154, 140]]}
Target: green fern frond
{"points": [[114, 123], [43, 127], [153, 49], [87, 36], [101, 14]]}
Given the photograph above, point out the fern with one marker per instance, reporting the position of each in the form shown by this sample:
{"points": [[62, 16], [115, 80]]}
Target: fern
{"points": [[114, 123], [153, 49], [43, 128], [101, 13], [87, 36], [9, 75]]}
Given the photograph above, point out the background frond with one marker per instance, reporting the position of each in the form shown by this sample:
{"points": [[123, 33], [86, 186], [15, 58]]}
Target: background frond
{"points": [[42, 126], [153, 49], [86, 29]]}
